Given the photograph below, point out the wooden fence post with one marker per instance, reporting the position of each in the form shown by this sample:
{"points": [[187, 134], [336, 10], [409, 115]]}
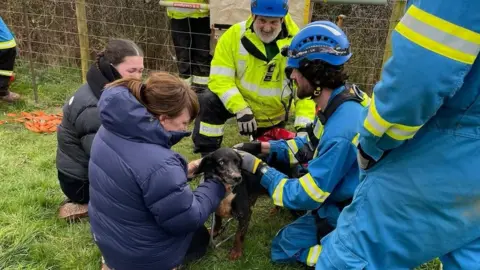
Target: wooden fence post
{"points": [[26, 23], [397, 14], [82, 36]]}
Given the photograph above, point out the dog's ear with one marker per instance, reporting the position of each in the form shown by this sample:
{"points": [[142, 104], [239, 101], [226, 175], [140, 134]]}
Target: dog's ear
{"points": [[206, 165]]}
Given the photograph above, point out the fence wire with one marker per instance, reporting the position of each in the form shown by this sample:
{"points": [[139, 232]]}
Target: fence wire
{"points": [[53, 34]]}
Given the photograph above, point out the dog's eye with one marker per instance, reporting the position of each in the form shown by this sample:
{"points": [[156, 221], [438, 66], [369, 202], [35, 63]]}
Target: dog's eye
{"points": [[221, 162]]}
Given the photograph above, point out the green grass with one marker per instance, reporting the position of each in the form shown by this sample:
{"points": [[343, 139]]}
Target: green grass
{"points": [[31, 235]]}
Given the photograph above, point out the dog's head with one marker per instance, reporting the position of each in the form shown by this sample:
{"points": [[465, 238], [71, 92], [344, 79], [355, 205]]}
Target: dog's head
{"points": [[223, 164]]}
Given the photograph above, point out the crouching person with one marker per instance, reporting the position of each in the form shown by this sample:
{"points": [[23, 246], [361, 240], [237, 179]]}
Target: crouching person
{"points": [[143, 213], [120, 59], [317, 55]]}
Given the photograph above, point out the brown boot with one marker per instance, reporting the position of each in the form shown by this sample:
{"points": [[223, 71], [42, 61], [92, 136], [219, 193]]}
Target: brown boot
{"points": [[11, 97], [73, 211]]}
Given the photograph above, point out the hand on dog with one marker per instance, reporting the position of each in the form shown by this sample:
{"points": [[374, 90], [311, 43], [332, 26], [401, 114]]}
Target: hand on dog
{"points": [[193, 167], [254, 148], [250, 163]]}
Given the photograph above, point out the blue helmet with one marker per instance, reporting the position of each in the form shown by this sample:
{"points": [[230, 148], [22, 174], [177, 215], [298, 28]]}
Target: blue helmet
{"points": [[269, 8], [319, 40]]}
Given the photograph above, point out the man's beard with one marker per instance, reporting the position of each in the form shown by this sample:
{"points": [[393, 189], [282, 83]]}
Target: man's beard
{"points": [[304, 91], [269, 37]]}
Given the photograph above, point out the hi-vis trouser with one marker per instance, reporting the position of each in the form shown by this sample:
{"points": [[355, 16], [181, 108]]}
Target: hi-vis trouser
{"points": [[191, 38], [8, 53], [213, 116]]}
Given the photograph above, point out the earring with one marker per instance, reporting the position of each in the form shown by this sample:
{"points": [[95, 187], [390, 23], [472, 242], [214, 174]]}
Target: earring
{"points": [[317, 91]]}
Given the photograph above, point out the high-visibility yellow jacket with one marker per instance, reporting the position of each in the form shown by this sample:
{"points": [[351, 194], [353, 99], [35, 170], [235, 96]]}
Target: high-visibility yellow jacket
{"points": [[182, 13], [242, 80]]}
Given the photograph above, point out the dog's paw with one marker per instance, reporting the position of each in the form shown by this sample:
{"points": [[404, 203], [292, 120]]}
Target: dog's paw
{"points": [[235, 254]]}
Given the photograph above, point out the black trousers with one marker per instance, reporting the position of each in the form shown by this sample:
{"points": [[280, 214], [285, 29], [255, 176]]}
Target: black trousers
{"points": [[212, 111], [199, 245], [75, 190], [7, 61], [191, 38]]}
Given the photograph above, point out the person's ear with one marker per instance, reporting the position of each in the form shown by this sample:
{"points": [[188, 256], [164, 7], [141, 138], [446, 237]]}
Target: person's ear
{"points": [[162, 119]]}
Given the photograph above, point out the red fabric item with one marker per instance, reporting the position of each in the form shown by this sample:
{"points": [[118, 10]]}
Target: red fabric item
{"points": [[276, 134]]}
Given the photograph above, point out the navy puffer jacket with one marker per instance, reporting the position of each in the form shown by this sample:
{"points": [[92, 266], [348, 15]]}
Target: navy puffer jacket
{"points": [[142, 211]]}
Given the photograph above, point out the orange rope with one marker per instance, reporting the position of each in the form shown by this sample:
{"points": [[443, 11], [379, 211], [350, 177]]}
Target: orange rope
{"points": [[38, 121]]}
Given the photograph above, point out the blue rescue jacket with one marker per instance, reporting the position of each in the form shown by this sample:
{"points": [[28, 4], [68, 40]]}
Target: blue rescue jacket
{"points": [[333, 172], [7, 40]]}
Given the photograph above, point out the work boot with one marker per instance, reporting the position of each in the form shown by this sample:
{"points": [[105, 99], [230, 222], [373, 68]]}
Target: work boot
{"points": [[11, 97], [71, 211]]}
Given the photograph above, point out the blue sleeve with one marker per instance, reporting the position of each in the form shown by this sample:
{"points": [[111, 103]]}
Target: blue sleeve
{"points": [[182, 210], [433, 48], [335, 158], [285, 150]]}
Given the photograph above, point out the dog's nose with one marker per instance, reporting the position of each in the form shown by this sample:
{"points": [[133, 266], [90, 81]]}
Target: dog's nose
{"points": [[237, 178]]}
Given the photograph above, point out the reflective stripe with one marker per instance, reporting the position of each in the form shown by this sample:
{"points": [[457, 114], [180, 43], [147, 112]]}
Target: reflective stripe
{"points": [[6, 73], [313, 254], [278, 193], [222, 71], [240, 68], [185, 10], [200, 80], [8, 44], [261, 91], [301, 121], [318, 130], [402, 132], [211, 130], [439, 36], [292, 150], [355, 139], [312, 189], [229, 94], [243, 28], [376, 125]]}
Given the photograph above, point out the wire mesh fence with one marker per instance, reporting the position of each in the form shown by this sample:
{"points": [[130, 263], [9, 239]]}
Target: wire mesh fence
{"points": [[47, 34]]}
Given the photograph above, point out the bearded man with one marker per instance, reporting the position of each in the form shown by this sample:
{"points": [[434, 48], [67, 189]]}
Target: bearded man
{"points": [[248, 80]]}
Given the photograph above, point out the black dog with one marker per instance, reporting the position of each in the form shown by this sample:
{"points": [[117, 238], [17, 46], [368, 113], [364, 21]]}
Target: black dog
{"points": [[225, 164]]}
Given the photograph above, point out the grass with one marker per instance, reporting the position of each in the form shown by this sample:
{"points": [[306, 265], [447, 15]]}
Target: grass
{"points": [[31, 235]]}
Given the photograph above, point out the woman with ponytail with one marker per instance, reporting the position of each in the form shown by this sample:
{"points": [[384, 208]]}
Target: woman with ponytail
{"points": [[143, 214], [120, 59]]}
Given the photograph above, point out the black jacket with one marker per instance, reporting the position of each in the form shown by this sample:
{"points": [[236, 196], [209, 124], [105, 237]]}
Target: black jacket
{"points": [[81, 122]]}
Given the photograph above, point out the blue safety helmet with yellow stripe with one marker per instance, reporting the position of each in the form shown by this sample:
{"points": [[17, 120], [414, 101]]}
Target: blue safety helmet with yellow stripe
{"points": [[269, 8], [319, 40]]}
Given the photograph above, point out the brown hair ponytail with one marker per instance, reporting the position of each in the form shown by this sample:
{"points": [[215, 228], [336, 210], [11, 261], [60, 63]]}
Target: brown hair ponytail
{"points": [[162, 94]]}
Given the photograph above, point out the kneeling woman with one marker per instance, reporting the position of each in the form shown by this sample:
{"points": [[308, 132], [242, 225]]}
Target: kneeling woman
{"points": [[143, 213]]}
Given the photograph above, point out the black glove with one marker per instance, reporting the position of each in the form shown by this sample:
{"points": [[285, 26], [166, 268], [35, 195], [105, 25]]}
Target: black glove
{"points": [[252, 164], [305, 154], [254, 148], [302, 132], [246, 122]]}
